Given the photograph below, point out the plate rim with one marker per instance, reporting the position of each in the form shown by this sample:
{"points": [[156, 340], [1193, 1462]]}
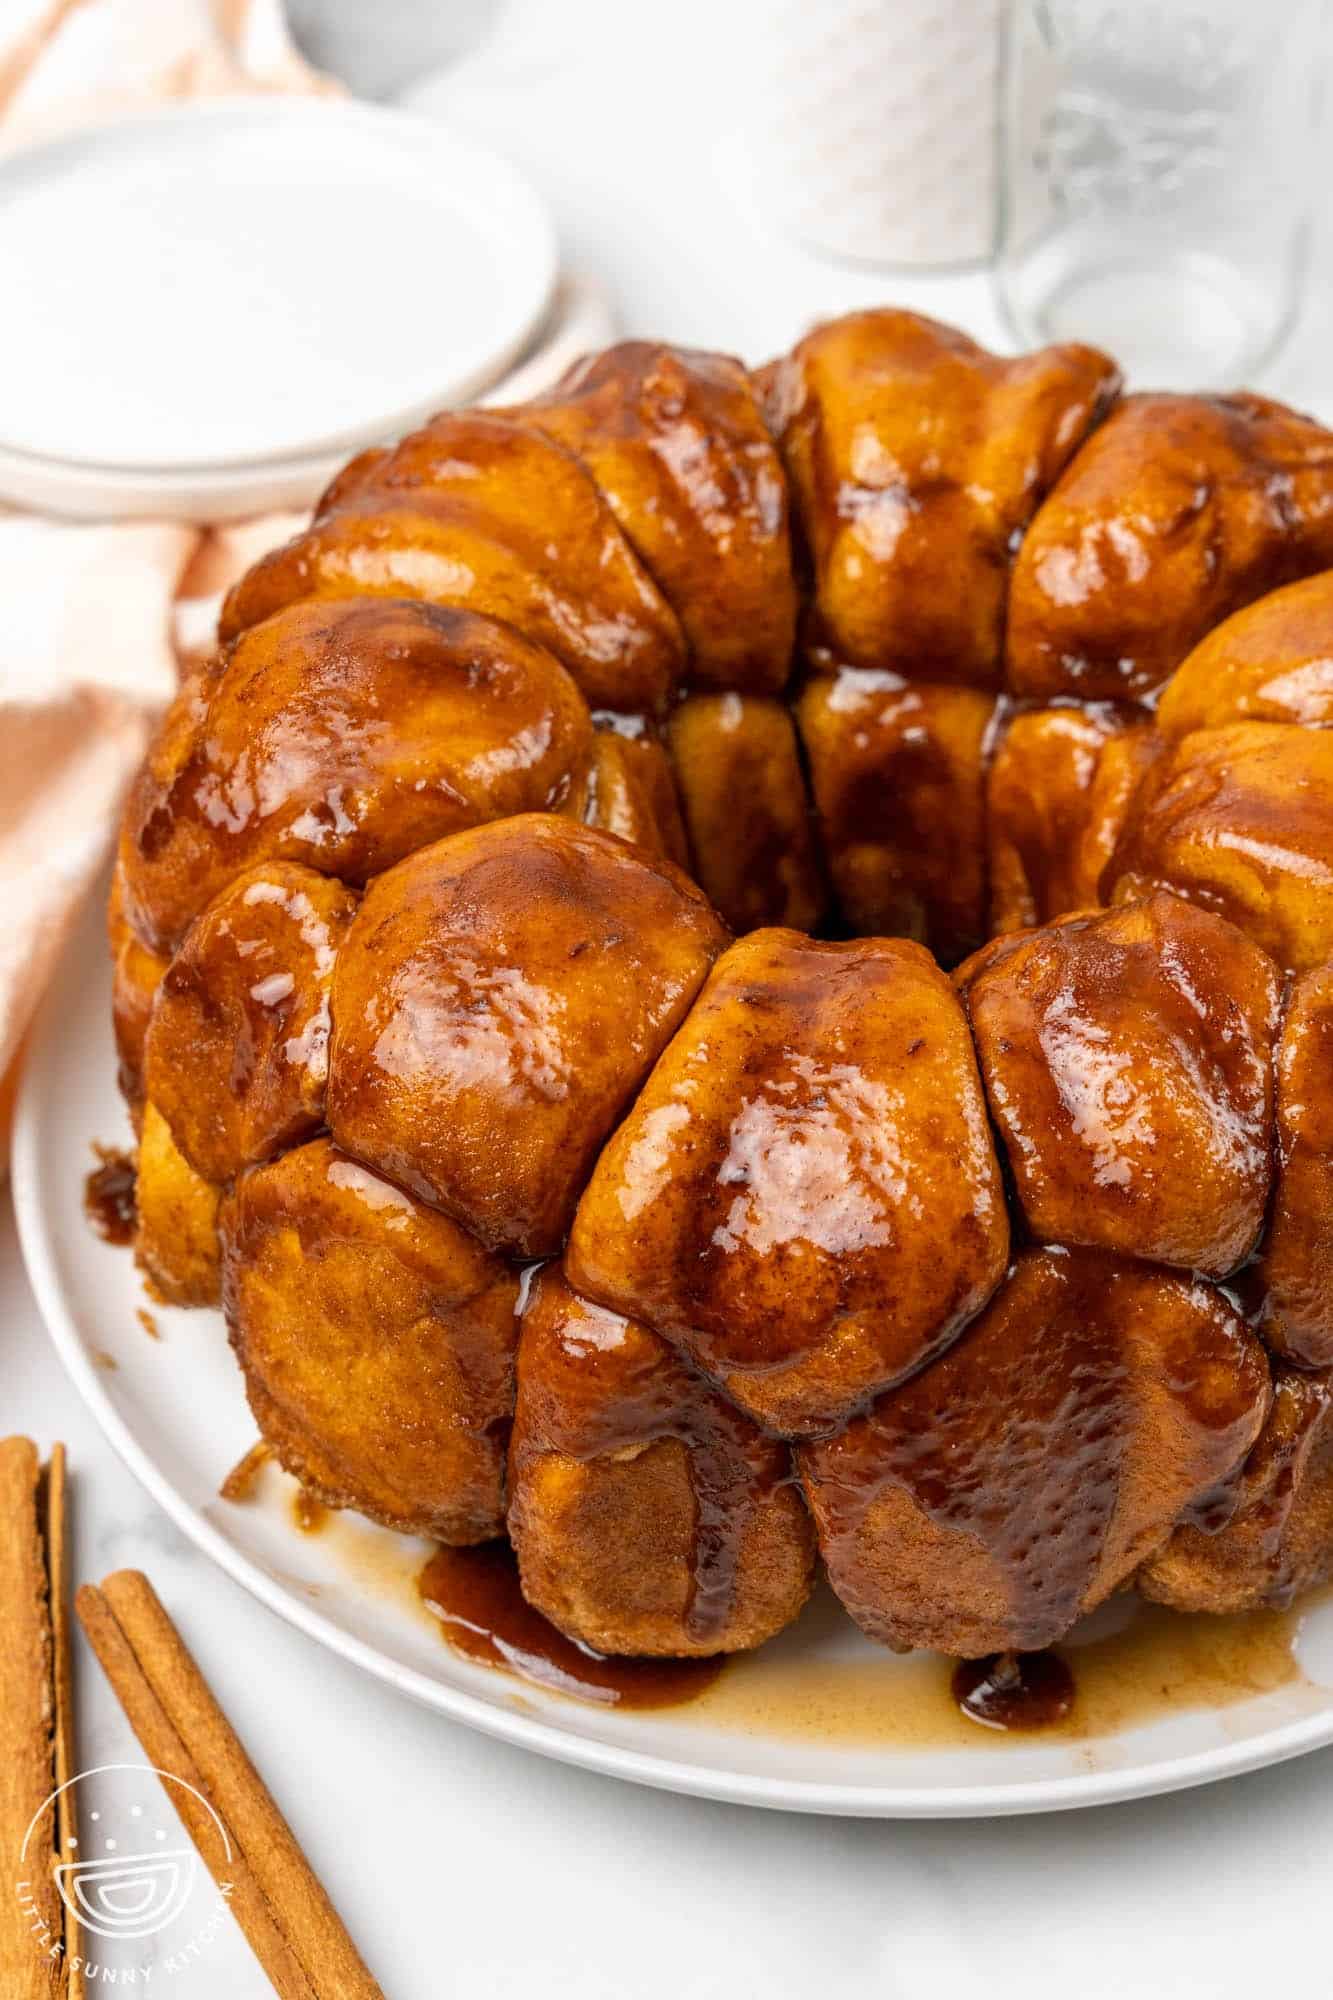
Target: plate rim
{"points": [[512, 1725], [485, 166]]}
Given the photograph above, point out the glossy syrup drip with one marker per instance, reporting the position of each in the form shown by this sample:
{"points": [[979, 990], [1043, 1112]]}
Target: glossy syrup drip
{"points": [[1298, 1431], [309, 1514], [109, 1195], [1026, 1691], [239, 1484], [483, 1615]]}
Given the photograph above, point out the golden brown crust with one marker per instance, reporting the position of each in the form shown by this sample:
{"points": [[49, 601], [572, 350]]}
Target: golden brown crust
{"points": [[1054, 807], [629, 788], [1179, 510], [916, 460], [136, 974], [1279, 1541], [237, 1051], [1294, 1274], [1271, 662], [802, 1198], [168, 754], [1240, 820], [1128, 1063], [743, 793], [497, 1002], [176, 1234], [649, 1516], [674, 439], [762, 1205], [345, 735], [1017, 1480], [478, 511], [898, 774], [377, 1343]]}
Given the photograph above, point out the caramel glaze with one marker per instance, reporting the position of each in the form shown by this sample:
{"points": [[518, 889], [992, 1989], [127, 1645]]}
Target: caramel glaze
{"points": [[1152, 1663], [309, 1515], [916, 460], [1174, 514], [1057, 788], [483, 1614], [109, 1195], [1115, 1048], [762, 1204], [1239, 819], [676, 442], [479, 511], [498, 1001], [1304, 1434], [1014, 1690], [237, 1051], [738, 768], [344, 736], [1274, 1543], [594, 1385], [1295, 1265], [1014, 1482], [898, 776]]}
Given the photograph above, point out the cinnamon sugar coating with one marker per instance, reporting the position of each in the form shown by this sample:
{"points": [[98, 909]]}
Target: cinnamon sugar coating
{"points": [[377, 1343]]}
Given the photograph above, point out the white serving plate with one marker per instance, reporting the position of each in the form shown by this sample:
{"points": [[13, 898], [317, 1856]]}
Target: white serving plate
{"points": [[256, 280], [175, 1411]]}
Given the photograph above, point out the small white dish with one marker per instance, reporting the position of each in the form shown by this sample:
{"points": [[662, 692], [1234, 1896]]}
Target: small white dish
{"points": [[256, 281], [175, 1410]]}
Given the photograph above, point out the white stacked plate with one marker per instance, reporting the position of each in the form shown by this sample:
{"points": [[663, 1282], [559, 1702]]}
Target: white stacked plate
{"points": [[210, 308]]}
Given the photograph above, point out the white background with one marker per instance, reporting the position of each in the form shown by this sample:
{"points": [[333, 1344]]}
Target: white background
{"points": [[463, 1867]]}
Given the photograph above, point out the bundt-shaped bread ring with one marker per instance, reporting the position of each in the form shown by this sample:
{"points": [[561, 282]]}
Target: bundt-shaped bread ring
{"points": [[423, 972]]}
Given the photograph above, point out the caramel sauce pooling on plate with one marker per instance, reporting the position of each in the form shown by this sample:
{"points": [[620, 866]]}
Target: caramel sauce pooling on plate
{"points": [[108, 1195], [483, 1615]]}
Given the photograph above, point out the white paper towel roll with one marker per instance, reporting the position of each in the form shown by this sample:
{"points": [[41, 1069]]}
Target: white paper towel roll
{"points": [[874, 131]]}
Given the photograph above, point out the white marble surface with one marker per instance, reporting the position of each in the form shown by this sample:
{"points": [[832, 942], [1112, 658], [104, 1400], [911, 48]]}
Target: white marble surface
{"points": [[466, 1868]]}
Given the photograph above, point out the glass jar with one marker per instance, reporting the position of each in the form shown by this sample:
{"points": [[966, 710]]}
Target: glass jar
{"points": [[1159, 160]]}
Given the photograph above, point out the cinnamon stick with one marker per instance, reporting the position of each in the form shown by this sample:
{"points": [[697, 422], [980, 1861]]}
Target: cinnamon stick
{"points": [[32, 1963], [160, 1686], [62, 1680], [165, 1751]]}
